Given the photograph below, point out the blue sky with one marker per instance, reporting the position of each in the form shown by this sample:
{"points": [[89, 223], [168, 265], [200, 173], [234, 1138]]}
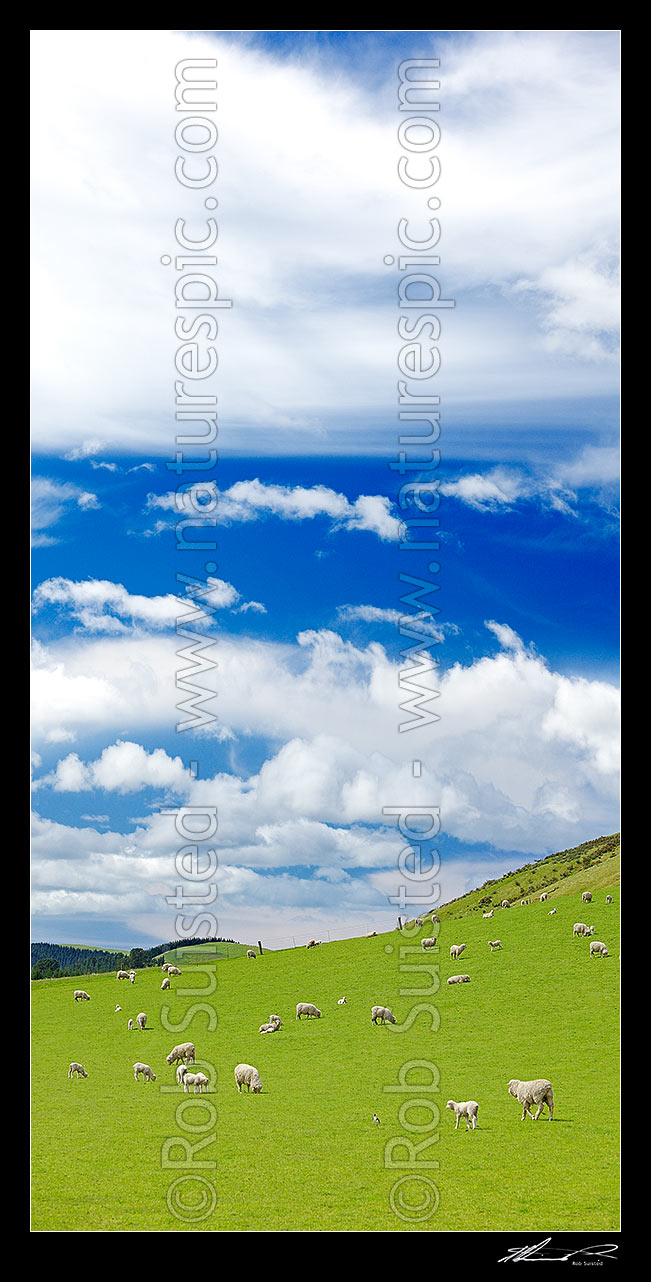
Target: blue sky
{"points": [[304, 749]]}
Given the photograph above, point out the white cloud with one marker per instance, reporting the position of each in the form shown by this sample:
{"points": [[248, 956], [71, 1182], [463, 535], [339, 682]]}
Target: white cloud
{"points": [[102, 606], [123, 767], [51, 500]]}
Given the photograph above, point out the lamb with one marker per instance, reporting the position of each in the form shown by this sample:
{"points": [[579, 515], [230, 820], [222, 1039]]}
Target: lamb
{"points": [[310, 944], [430, 942], [539, 1092], [271, 1027], [130, 1025], [118, 1008], [185, 1052], [147, 1074], [524, 901], [494, 943], [543, 897], [198, 1080], [251, 953], [181, 1070], [81, 996], [586, 897], [165, 967], [141, 1021], [456, 951], [166, 983], [459, 979], [418, 921], [551, 912], [580, 928], [597, 949], [490, 914], [505, 904], [275, 1019], [609, 899], [371, 934], [469, 1110], [342, 1001], [78, 1069], [247, 1075], [132, 979], [122, 974], [382, 1013], [306, 1008], [173, 970]]}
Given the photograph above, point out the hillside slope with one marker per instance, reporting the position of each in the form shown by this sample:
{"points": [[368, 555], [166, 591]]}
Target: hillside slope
{"points": [[305, 1154]]}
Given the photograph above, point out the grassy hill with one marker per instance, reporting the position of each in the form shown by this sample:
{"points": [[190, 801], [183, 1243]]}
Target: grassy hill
{"points": [[215, 950], [305, 1154]]}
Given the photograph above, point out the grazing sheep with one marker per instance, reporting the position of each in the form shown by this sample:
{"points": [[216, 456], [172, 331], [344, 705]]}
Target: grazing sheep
{"points": [[376, 1119], [147, 1074], [490, 914], [165, 967], [371, 934], [306, 1008], [132, 979], [78, 1069], [198, 1080], [418, 921], [580, 928], [118, 1008], [130, 1025], [342, 1001], [524, 901], [173, 970], [456, 950], [166, 983], [185, 1052], [551, 912], [311, 943], [122, 974], [81, 996], [430, 942], [382, 1013], [505, 904], [586, 897], [494, 943], [459, 979], [597, 949], [469, 1110], [247, 1075], [609, 899], [435, 918], [538, 1092], [141, 1021], [250, 952], [543, 897]]}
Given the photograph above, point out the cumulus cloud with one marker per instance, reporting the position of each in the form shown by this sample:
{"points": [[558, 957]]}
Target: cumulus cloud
{"points": [[123, 767], [100, 605], [595, 468]]}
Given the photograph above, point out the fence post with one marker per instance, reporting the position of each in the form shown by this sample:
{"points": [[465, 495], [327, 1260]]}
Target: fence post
{"points": [[259, 947], [399, 924]]}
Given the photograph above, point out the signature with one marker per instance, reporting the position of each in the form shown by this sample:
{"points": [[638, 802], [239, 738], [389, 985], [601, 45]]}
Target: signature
{"points": [[545, 1252]]}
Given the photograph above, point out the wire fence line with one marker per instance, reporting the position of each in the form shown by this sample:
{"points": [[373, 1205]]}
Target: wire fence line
{"points": [[276, 943]]}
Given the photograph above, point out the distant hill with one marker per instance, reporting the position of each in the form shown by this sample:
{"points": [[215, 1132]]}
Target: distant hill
{"points": [[58, 961]]}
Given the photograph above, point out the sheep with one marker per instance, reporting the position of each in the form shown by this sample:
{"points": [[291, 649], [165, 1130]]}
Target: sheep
{"points": [[141, 1021], [310, 944], [342, 1001], [459, 979], [609, 899], [371, 934], [81, 996], [122, 974], [78, 1069], [539, 1091], [118, 1008], [524, 901], [456, 950], [247, 1075], [173, 970], [469, 1110], [597, 949], [551, 912], [165, 967], [198, 1080], [181, 1070], [251, 953], [494, 943], [306, 1008], [435, 918], [418, 921], [543, 897], [430, 942], [147, 1074], [269, 1028], [275, 1019], [580, 928], [166, 983], [490, 914], [382, 1013], [586, 897], [132, 979], [130, 1025], [185, 1052], [505, 904]]}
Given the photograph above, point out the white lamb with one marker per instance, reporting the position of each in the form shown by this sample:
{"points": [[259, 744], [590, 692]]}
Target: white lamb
{"points": [[342, 1001], [132, 979], [597, 949], [275, 1019], [538, 1092], [383, 1014], [122, 974], [490, 914], [311, 943], [551, 912], [456, 950], [130, 1025], [543, 897], [78, 1069], [184, 1052], [469, 1110], [505, 904], [609, 899], [118, 1008], [198, 1080], [181, 1070], [307, 1009], [459, 979], [141, 1021], [81, 996], [580, 928], [251, 953], [247, 1075], [271, 1027], [147, 1074], [586, 897], [428, 943], [166, 983], [495, 943]]}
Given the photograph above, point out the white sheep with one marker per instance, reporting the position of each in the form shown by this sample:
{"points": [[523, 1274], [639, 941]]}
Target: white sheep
{"points": [[147, 1074], [551, 912], [490, 914], [341, 1001], [469, 1110], [271, 1027], [543, 897], [118, 1008], [306, 1008], [247, 1075], [456, 950], [436, 919], [311, 943], [250, 953], [524, 901], [459, 979], [166, 983], [130, 1025], [505, 904], [122, 974], [597, 949], [185, 1052], [580, 928], [539, 1092], [198, 1080], [81, 996], [141, 1021], [586, 897], [494, 943], [78, 1069], [383, 1014], [181, 1070], [371, 934], [430, 942], [132, 979], [165, 967], [173, 970], [275, 1019], [609, 899]]}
